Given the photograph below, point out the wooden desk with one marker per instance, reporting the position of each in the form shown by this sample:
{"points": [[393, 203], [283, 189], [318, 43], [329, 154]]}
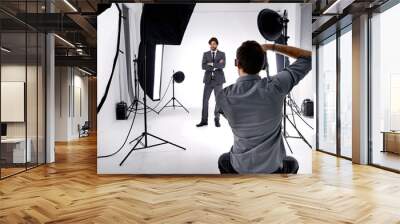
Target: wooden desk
{"points": [[391, 141]]}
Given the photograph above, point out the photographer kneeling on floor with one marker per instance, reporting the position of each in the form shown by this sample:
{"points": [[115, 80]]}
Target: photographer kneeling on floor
{"points": [[253, 108]]}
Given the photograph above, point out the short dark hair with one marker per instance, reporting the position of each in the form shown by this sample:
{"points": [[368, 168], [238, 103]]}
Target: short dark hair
{"points": [[251, 57], [213, 39]]}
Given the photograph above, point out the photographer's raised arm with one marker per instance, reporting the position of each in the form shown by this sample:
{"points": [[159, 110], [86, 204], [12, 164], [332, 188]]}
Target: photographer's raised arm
{"points": [[293, 52], [285, 80]]}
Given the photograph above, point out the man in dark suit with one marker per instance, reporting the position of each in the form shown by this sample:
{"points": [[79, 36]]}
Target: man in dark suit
{"points": [[213, 63]]}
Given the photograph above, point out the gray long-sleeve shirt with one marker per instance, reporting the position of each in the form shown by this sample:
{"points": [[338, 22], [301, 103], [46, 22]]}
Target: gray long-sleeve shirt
{"points": [[253, 108]]}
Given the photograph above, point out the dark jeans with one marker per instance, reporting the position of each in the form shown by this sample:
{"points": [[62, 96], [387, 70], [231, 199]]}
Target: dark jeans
{"points": [[290, 165], [208, 88]]}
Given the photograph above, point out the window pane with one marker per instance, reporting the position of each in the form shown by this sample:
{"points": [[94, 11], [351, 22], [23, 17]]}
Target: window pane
{"points": [[327, 97], [385, 87], [346, 94]]}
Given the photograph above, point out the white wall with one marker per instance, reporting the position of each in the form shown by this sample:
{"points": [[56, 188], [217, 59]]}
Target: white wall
{"points": [[61, 103], [79, 118], [66, 121]]}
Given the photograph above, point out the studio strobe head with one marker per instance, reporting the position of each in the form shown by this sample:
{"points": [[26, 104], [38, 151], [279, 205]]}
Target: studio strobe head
{"points": [[270, 24], [178, 77]]}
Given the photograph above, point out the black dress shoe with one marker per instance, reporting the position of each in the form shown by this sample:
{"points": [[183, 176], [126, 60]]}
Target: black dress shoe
{"points": [[217, 124], [202, 124]]}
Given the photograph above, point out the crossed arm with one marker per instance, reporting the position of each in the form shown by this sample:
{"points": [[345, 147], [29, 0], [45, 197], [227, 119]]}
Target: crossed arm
{"points": [[211, 66]]}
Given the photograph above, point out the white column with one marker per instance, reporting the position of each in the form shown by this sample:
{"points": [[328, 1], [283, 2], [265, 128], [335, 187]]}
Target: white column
{"points": [[360, 90], [50, 92], [50, 99]]}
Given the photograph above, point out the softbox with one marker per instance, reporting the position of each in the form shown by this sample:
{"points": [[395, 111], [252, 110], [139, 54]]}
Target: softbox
{"points": [[149, 50], [160, 24]]}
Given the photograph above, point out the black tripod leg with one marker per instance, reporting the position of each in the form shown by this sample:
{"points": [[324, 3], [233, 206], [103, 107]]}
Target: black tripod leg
{"points": [[140, 136], [297, 112], [287, 143], [122, 162], [291, 108], [299, 115], [147, 107], [164, 106], [182, 105], [299, 133], [166, 141]]}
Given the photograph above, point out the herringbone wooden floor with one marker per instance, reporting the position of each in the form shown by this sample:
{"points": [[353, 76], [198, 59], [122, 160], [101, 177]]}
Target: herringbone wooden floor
{"points": [[70, 191]]}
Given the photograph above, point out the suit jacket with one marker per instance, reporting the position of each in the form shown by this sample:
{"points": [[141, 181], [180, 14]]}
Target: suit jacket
{"points": [[216, 70]]}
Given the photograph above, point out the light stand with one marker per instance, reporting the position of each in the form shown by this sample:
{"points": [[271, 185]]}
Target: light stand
{"points": [[145, 133], [273, 27], [288, 99], [136, 100], [175, 102]]}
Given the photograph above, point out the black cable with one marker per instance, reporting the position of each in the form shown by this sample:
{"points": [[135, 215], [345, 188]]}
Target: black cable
{"points": [[126, 139], [133, 121], [103, 99], [161, 99]]}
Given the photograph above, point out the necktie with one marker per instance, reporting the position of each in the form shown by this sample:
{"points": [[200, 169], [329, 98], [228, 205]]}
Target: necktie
{"points": [[213, 57]]}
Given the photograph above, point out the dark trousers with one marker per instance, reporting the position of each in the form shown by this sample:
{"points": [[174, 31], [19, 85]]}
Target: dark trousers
{"points": [[224, 164], [290, 165], [208, 88]]}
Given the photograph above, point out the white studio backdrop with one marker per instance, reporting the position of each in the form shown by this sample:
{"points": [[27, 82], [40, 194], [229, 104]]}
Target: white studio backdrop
{"points": [[111, 132], [231, 23]]}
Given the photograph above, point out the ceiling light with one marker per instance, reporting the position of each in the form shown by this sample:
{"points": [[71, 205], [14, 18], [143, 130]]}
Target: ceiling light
{"points": [[337, 7], [5, 50], [64, 40], [84, 71], [70, 5]]}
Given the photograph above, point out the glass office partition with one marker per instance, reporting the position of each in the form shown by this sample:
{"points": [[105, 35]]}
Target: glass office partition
{"points": [[41, 89], [22, 77], [32, 95], [327, 95], [35, 89], [14, 153], [385, 89], [346, 92]]}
